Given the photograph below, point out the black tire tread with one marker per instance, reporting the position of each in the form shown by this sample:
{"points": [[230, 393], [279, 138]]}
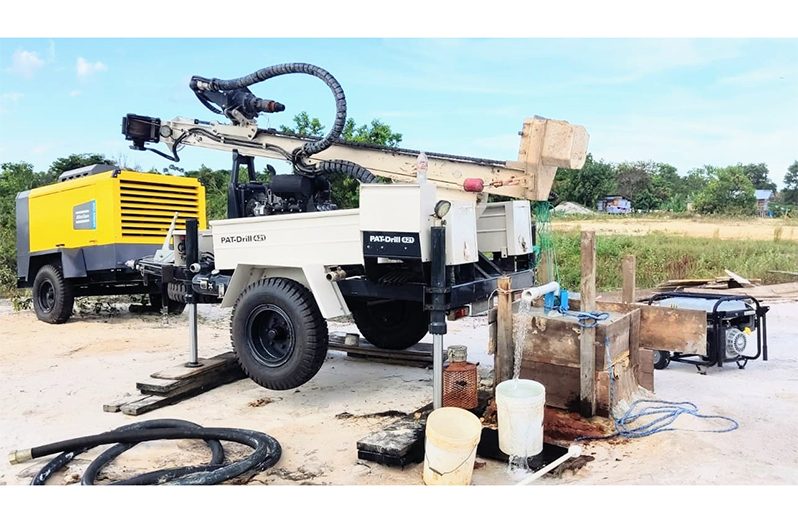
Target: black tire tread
{"points": [[317, 336], [64, 295], [664, 361], [407, 337]]}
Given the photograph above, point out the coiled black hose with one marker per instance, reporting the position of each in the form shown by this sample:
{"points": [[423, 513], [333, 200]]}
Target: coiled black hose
{"points": [[266, 452], [294, 68]]}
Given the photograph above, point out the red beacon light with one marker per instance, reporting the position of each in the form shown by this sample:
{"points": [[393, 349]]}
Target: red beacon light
{"points": [[473, 185]]}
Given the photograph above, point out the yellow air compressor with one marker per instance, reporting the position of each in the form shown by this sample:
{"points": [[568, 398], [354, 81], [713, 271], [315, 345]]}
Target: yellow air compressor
{"points": [[75, 236]]}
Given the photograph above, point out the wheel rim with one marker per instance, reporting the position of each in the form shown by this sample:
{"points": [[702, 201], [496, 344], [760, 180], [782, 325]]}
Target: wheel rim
{"points": [[271, 335], [46, 296]]}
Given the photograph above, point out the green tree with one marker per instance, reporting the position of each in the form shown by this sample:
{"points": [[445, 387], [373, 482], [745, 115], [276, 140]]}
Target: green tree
{"points": [[345, 190], [304, 125], [14, 178], [586, 185], [758, 174], [729, 192], [790, 192], [216, 182], [75, 161]]}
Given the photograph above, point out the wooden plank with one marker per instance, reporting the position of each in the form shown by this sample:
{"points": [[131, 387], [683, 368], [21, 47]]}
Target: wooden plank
{"points": [[116, 405], [674, 330], [739, 279], [587, 338], [645, 370], [503, 359], [628, 273], [179, 372], [555, 339], [561, 383], [193, 388], [420, 352], [492, 326], [161, 387], [781, 291], [634, 339]]}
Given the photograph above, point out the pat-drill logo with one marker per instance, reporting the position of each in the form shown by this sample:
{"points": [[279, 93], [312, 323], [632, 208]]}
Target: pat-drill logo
{"points": [[244, 238], [391, 239]]}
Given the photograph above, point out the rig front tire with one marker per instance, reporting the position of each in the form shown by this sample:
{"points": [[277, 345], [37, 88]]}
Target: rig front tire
{"points": [[279, 334]]}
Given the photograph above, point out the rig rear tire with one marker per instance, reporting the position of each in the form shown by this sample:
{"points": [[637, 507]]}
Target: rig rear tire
{"points": [[279, 334], [53, 296], [394, 325]]}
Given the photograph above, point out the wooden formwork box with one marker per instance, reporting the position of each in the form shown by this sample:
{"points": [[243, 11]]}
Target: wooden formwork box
{"points": [[551, 349], [550, 355]]}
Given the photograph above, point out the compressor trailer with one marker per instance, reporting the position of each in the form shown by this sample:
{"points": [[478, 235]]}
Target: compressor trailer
{"points": [[75, 236], [286, 259]]}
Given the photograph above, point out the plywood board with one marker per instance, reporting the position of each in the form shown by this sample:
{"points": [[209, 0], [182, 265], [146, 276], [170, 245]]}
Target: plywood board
{"points": [[664, 328], [556, 339]]}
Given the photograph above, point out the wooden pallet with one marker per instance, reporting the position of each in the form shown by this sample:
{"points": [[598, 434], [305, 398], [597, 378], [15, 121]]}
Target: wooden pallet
{"points": [[174, 384]]}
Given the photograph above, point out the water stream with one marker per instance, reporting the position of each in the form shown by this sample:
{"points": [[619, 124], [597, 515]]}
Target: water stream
{"points": [[519, 464]]}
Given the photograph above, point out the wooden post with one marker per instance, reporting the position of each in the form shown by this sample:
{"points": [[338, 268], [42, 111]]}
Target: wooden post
{"points": [[503, 359], [587, 351], [628, 271]]}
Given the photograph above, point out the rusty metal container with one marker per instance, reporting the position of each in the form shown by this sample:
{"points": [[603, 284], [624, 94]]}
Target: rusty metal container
{"points": [[459, 379]]}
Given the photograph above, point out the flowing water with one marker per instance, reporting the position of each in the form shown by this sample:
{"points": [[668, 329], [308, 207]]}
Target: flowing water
{"points": [[519, 464], [520, 326]]}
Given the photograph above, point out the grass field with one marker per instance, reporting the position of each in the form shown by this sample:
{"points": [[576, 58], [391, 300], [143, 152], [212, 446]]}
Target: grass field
{"points": [[683, 225], [666, 256]]}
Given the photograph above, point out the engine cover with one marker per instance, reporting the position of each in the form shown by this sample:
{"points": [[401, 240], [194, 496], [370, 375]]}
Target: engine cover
{"points": [[735, 343]]}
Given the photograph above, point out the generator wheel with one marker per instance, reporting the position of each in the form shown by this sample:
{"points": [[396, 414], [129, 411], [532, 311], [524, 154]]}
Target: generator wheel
{"points": [[53, 296], [279, 335], [661, 359], [173, 307], [394, 325]]}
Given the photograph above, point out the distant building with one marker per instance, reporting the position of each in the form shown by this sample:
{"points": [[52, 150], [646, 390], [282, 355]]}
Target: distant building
{"points": [[614, 204], [763, 199]]}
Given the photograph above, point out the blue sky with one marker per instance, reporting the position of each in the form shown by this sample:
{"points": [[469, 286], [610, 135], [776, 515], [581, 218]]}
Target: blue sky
{"points": [[688, 102]]}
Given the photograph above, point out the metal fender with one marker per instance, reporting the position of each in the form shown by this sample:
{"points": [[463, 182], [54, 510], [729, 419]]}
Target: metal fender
{"points": [[328, 297]]}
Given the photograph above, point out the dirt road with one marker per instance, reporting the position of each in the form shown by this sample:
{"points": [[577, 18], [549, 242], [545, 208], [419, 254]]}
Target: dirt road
{"points": [[749, 229], [54, 380]]}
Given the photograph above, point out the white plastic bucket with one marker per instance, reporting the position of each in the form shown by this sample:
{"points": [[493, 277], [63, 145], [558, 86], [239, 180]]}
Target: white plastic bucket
{"points": [[452, 435], [519, 407]]}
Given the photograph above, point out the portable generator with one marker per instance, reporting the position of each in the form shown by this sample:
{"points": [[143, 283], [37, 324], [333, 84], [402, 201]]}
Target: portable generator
{"points": [[734, 324]]}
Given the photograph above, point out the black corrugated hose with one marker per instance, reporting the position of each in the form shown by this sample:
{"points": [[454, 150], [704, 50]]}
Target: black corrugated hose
{"points": [[266, 452], [273, 71]]}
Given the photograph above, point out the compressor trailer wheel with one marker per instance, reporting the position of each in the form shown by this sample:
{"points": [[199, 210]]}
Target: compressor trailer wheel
{"points": [[279, 334], [53, 296]]}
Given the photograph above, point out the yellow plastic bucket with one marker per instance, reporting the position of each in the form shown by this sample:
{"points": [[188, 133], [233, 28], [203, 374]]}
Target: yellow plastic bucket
{"points": [[452, 435]]}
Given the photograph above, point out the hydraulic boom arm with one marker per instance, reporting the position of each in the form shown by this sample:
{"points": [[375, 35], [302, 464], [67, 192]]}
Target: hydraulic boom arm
{"points": [[545, 145]]}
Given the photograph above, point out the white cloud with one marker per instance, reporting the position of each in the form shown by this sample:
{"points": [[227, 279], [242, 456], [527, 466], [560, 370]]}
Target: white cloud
{"points": [[25, 63], [86, 68], [74, 93]]}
